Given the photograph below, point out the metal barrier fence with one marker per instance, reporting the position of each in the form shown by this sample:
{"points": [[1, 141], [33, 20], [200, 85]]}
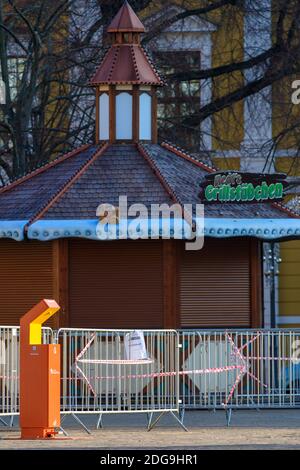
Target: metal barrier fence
{"points": [[9, 368], [100, 375], [247, 369], [181, 370]]}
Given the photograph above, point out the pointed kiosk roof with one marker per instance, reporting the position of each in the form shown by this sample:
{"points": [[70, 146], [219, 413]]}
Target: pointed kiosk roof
{"points": [[126, 63], [126, 21], [60, 199]]}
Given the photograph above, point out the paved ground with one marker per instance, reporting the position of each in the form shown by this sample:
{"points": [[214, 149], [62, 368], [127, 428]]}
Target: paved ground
{"points": [[207, 430]]}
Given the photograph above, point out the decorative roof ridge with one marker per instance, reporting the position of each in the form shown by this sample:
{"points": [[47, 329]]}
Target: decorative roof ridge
{"points": [[125, 82], [283, 208], [137, 73], [46, 166], [116, 48], [103, 58], [98, 152], [171, 193], [150, 62], [114, 61], [181, 153]]}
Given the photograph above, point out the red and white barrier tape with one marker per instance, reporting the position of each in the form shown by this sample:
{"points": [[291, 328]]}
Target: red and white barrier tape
{"points": [[237, 381], [129, 362], [86, 379], [215, 370], [270, 358], [249, 342], [152, 375], [86, 347]]}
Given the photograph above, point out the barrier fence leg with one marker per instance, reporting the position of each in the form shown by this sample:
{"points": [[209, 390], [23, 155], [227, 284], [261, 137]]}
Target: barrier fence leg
{"points": [[11, 422], [228, 416], [151, 425], [3, 422], [60, 427], [179, 421], [76, 419], [149, 419], [182, 414], [63, 431], [177, 418], [63, 418], [99, 422], [81, 423]]}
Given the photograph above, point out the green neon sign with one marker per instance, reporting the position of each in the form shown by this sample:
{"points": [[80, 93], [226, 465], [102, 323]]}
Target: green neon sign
{"points": [[237, 186], [245, 192]]}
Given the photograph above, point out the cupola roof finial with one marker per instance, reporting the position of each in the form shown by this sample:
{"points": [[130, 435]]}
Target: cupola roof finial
{"points": [[126, 62], [126, 21]]}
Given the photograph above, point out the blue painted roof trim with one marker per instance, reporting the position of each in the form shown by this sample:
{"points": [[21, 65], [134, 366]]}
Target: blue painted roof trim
{"points": [[89, 228], [265, 229], [13, 229]]}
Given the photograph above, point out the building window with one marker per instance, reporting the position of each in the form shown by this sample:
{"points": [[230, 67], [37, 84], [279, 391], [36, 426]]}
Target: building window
{"points": [[179, 100], [16, 66], [145, 127], [124, 116], [104, 116]]}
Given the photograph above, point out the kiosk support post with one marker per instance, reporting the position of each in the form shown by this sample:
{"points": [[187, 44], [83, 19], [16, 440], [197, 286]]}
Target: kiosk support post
{"points": [[39, 375]]}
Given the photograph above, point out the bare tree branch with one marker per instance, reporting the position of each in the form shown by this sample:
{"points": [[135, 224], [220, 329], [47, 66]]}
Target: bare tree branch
{"points": [[211, 6]]}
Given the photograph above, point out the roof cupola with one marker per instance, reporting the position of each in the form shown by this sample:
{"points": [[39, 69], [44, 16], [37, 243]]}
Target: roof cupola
{"points": [[126, 83]]}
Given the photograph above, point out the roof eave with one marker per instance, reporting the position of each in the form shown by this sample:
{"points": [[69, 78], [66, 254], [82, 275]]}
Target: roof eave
{"points": [[264, 229], [126, 30], [124, 82], [13, 229]]}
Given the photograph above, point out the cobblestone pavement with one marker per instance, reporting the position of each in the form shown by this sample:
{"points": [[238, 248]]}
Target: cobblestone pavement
{"points": [[207, 430]]}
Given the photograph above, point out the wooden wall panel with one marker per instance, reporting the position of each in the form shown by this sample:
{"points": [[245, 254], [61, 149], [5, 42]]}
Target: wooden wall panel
{"points": [[256, 283], [116, 284], [171, 260], [26, 277], [215, 285], [61, 281]]}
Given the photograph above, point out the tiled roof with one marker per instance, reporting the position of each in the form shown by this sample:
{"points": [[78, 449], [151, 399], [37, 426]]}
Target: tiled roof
{"points": [[185, 178], [73, 187], [120, 171], [25, 198]]}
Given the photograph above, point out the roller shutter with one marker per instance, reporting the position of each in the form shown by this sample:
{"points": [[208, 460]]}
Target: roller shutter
{"points": [[116, 284], [25, 277], [215, 285]]}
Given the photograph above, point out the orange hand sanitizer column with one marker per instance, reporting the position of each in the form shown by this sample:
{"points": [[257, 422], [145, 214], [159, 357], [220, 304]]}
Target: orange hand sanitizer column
{"points": [[39, 375]]}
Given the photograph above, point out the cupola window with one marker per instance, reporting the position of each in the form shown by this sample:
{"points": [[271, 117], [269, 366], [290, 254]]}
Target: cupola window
{"points": [[104, 116], [145, 116], [124, 116]]}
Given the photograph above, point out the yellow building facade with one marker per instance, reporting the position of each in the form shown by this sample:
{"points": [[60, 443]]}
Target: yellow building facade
{"points": [[253, 131]]}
